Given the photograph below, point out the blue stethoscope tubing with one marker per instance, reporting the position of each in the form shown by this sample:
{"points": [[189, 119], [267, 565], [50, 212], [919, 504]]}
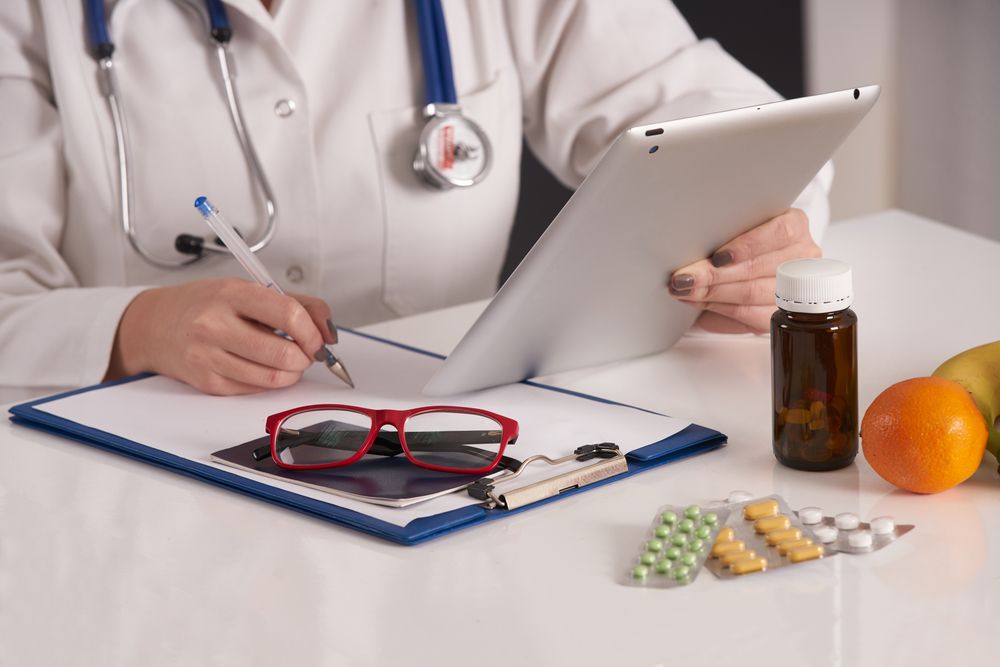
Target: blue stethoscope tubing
{"points": [[435, 52], [439, 89]]}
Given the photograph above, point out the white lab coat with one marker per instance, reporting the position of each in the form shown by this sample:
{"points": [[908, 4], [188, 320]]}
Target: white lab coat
{"points": [[357, 226]]}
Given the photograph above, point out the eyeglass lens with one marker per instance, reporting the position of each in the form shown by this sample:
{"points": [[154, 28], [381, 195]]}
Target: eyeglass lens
{"points": [[321, 436], [453, 439]]}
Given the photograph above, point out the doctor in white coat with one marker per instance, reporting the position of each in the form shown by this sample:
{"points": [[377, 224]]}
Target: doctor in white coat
{"points": [[332, 96]]}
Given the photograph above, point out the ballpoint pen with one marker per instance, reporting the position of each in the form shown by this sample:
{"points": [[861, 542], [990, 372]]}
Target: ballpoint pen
{"points": [[256, 269]]}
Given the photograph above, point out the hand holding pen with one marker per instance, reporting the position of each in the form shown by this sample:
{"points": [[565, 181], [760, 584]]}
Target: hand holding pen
{"points": [[258, 272]]}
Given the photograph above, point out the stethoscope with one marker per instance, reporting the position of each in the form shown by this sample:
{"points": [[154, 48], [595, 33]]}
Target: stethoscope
{"points": [[452, 151]]}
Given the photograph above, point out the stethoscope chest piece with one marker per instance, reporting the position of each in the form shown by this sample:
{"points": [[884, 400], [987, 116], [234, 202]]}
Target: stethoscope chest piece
{"points": [[453, 151]]}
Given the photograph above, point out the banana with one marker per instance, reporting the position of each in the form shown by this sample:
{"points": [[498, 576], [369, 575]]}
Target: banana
{"points": [[978, 370]]}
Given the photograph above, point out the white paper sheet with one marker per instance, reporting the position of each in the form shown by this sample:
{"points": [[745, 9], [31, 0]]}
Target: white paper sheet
{"points": [[171, 416]]}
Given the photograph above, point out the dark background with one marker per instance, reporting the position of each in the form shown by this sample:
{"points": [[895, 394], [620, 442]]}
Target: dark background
{"points": [[766, 36]]}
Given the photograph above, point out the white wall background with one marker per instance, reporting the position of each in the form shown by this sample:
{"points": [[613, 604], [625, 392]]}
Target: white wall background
{"points": [[932, 143]]}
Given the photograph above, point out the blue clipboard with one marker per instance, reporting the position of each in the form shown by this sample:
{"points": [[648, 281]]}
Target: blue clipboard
{"points": [[690, 441]]}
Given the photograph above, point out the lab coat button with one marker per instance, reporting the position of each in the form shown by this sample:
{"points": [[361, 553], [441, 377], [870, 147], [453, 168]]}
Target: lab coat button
{"points": [[295, 274], [284, 108]]}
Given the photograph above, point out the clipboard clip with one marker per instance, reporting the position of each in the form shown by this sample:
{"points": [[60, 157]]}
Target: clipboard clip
{"points": [[610, 462]]}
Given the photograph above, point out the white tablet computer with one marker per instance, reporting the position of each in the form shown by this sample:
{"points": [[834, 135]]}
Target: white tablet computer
{"points": [[593, 288]]}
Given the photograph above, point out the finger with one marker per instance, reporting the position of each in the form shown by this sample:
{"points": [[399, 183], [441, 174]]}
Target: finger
{"points": [[279, 311], [716, 323], [757, 292], [757, 319], [787, 229], [320, 313], [217, 385], [246, 339], [246, 372], [703, 274]]}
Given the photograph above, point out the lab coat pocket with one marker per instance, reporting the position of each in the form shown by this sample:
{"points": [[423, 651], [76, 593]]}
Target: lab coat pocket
{"points": [[444, 247]]}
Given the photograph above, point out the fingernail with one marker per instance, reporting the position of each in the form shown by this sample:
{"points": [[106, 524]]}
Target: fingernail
{"points": [[681, 281], [320, 354], [722, 258], [333, 331]]}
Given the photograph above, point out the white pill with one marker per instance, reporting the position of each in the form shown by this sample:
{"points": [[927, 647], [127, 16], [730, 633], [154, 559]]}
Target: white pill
{"points": [[847, 521], [826, 534], [738, 496], [883, 525], [811, 515], [860, 539]]}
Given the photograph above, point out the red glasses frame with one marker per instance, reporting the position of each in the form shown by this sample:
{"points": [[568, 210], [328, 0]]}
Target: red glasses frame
{"points": [[397, 419]]}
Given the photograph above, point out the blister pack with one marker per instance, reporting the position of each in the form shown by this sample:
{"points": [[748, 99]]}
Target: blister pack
{"points": [[676, 546], [846, 533], [762, 534]]}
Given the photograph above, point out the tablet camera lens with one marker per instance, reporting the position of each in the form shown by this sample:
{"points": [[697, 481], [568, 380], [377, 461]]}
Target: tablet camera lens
{"points": [[653, 149]]}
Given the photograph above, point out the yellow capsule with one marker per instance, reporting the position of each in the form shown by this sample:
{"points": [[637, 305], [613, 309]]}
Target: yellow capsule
{"points": [[748, 566], [785, 547], [736, 557], [779, 536], [797, 416], [732, 546], [779, 522], [760, 510], [725, 535], [810, 552]]}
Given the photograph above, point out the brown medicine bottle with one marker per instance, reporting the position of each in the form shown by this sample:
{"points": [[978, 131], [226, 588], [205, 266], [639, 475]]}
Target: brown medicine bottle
{"points": [[814, 367]]}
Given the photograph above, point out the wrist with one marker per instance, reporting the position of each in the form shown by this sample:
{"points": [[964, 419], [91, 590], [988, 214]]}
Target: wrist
{"points": [[129, 353]]}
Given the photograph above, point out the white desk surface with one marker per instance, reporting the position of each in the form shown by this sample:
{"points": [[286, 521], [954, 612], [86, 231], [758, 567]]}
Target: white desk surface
{"points": [[106, 561]]}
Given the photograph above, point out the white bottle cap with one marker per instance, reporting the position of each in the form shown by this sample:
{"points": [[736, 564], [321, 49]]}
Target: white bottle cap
{"points": [[814, 286]]}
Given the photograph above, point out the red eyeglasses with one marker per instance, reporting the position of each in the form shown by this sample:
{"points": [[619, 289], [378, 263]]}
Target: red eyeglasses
{"points": [[439, 437]]}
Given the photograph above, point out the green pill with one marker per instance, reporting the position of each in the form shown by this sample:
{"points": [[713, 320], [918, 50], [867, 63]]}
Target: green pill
{"points": [[685, 526], [681, 572], [689, 559], [679, 540], [696, 545], [703, 532], [647, 558], [663, 566], [669, 517], [673, 553], [692, 512], [640, 572], [662, 531], [654, 545], [710, 519]]}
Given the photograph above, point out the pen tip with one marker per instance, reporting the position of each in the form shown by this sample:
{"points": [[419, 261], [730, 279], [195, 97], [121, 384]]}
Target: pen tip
{"points": [[338, 369]]}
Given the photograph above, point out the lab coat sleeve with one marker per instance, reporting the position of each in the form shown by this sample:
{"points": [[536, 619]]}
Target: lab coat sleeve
{"points": [[52, 331], [590, 69]]}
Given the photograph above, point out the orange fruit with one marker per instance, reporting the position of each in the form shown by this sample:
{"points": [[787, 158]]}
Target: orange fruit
{"points": [[924, 434]]}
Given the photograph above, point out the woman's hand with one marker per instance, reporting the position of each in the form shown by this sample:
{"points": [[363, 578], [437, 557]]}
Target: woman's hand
{"points": [[218, 335], [735, 287]]}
